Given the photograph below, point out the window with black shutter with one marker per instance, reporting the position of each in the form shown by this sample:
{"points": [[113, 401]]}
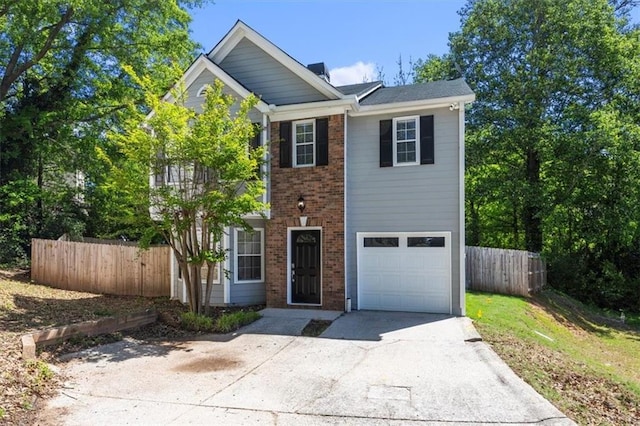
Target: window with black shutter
{"points": [[285, 144], [407, 141]]}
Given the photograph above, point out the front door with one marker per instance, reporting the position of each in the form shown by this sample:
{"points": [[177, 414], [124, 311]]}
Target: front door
{"points": [[305, 266]]}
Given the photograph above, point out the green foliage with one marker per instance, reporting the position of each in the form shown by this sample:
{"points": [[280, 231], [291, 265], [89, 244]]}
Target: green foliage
{"points": [[207, 174], [552, 140], [196, 322], [233, 321], [39, 374], [62, 87], [435, 68]]}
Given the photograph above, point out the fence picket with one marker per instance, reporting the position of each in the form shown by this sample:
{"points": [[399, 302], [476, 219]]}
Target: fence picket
{"points": [[119, 269], [513, 272]]}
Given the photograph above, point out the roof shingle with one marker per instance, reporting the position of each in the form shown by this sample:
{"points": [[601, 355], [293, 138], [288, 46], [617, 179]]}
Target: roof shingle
{"points": [[417, 92]]}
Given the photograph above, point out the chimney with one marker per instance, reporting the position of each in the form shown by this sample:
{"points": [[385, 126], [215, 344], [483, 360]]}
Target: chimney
{"points": [[321, 70]]}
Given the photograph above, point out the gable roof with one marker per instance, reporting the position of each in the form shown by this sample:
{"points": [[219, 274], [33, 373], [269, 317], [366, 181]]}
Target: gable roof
{"points": [[359, 89], [202, 63], [242, 31], [418, 92]]}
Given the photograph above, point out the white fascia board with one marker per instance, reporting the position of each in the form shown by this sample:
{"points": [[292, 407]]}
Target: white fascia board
{"points": [[203, 63], [241, 30], [370, 91], [401, 107], [312, 109]]}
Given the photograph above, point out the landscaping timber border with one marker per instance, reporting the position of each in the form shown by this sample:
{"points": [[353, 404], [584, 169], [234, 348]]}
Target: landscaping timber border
{"points": [[32, 341]]}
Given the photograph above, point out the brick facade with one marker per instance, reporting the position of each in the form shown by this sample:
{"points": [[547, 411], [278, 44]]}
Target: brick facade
{"points": [[323, 190]]}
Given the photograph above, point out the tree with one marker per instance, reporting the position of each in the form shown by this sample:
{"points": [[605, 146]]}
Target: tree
{"points": [[62, 86], [214, 178], [553, 142]]}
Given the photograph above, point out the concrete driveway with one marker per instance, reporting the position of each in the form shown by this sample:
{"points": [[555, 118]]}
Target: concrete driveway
{"points": [[368, 368]]}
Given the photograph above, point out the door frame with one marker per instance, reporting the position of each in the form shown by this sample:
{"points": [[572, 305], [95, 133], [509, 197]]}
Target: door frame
{"points": [[289, 242]]}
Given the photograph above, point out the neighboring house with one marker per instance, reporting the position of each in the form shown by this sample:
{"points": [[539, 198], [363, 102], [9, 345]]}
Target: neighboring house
{"points": [[365, 185]]}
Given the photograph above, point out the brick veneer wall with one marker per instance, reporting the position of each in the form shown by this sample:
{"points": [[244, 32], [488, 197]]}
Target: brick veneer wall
{"points": [[323, 190]]}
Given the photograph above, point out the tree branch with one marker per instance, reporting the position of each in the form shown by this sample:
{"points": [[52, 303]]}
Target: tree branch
{"points": [[12, 72]]}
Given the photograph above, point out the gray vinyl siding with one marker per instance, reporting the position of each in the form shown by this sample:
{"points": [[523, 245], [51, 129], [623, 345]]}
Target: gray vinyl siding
{"points": [[195, 102], [263, 75], [405, 198], [252, 293]]}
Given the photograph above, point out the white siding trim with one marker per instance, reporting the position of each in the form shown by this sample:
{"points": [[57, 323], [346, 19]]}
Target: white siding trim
{"points": [[400, 107], [344, 209], [226, 282], [203, 63], [461, 210]]}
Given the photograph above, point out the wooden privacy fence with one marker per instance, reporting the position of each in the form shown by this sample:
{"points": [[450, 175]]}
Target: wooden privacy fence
{"points": [[513, 272], [102, 268]]}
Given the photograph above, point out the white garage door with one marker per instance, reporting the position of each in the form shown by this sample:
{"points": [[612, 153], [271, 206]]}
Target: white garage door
{"points": [[404, 271]]}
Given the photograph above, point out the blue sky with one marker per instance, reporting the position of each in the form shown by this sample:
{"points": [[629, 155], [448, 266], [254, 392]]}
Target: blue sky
{"points": [[359, 35], [352, 37]]}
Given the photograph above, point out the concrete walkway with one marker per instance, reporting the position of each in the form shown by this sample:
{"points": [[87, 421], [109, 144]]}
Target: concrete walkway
{"points": [[368, 368]]}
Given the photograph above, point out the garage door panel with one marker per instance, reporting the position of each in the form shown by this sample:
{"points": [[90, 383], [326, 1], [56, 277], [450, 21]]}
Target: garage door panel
{"points": [[416, 279]]}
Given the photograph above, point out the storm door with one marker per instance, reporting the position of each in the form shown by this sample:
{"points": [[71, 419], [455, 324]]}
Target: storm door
{"points": [[305, 266]]}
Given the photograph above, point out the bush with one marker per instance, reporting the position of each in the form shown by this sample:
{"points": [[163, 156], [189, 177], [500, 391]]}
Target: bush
{"points": [[196, 322], [233, 321]]}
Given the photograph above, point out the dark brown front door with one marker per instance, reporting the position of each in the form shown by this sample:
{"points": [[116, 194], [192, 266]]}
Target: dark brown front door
{"points": [[305, 266]]}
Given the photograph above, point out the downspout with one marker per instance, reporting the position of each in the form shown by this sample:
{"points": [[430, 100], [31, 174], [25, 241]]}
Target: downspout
{"points": [[227, 266], [347, 299], [462, 240]]}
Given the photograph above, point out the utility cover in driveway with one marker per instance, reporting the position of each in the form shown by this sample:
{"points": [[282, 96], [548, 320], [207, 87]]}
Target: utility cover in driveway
{"points": [[404, 271]]}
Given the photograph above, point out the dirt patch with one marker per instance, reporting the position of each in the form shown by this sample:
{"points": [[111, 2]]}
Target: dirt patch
{"points": [[204, 365], [26, 307], [589, 398], [316, 328]]}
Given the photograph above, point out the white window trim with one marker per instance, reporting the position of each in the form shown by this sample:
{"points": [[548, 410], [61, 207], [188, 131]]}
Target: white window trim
{"points": [[295, 144], [200, 92], [235, 256], [416, 118]]}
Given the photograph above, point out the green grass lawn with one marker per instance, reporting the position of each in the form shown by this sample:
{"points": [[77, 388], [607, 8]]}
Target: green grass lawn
{"points": [[583, 360]]}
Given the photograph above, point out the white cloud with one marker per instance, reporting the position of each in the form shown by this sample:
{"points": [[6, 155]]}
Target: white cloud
{"points": [[352, 74]]}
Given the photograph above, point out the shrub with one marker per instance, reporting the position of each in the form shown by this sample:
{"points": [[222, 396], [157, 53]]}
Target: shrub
{"points": [[196, 322], [233, 321]]}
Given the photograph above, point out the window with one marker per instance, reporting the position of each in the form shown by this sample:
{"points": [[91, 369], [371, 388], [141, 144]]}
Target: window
{"points": [[406, 146], [425, 242], [407, 141], [381, 242], [249, 255], [304, 143]]}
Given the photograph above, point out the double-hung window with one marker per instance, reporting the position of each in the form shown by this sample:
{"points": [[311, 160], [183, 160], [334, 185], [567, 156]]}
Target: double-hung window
{"points": [[304, 137], [406, 143], [249, 250]]}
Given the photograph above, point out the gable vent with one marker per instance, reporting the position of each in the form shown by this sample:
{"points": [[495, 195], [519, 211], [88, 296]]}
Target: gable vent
{"points": [[321, 70]]}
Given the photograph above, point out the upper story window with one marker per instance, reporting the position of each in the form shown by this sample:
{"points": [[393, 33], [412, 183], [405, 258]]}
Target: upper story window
{"points": [[406, 141], [305, 143], [406, 149]]}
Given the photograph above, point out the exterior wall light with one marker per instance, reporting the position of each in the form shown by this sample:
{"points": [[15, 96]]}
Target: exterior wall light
{"points": [[301, 204]]}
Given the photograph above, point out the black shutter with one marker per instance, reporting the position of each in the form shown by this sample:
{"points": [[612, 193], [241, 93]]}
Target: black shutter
{"points": [[426, 140], [386, 143], [159, 169], [285, 144], [322, 142], [255, 143]]}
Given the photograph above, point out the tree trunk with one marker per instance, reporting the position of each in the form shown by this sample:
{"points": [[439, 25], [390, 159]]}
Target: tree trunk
{"points": [[532, 210]]}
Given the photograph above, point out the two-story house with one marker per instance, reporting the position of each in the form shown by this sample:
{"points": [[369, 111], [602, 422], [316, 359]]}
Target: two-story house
{"points": [[365, 185]]}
